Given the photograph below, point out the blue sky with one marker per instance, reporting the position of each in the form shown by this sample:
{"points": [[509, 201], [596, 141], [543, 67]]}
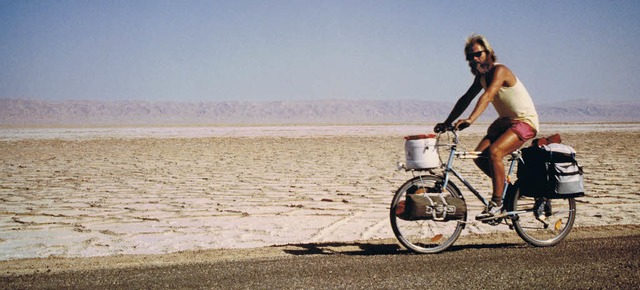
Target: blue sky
{"points": [[304, 50]]}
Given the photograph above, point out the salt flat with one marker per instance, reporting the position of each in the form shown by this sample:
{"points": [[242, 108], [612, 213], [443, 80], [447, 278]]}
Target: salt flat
{"points": [[80, 192]]}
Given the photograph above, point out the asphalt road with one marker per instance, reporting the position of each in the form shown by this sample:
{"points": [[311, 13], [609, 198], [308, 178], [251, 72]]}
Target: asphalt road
{"points": [[612, 263]]}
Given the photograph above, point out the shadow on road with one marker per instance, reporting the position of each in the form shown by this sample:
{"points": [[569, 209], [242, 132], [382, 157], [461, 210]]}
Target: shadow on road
{"points": [[372, 249]]}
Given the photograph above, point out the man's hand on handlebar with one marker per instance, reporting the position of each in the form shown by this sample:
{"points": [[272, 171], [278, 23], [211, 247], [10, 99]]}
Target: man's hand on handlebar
{"points": [[441, 127], [462, 124], [458, 126]]}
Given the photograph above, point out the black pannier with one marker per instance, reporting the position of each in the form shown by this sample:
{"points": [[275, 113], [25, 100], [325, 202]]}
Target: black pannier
{"points": [[550, 171]]}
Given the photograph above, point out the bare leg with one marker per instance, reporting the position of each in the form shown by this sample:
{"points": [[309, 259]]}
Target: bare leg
{"points": [[505, 144], [483, 162]]}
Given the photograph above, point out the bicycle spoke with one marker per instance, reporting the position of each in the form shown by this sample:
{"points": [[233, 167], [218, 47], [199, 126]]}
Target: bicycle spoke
{"points": [[543, 222], [424, 235]]}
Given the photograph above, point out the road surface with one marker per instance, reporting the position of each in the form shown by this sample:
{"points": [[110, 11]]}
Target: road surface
{"points": [[602, 262]]}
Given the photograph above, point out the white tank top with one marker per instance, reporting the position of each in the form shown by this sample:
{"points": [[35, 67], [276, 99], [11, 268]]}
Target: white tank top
{"points": [[515, 103]]}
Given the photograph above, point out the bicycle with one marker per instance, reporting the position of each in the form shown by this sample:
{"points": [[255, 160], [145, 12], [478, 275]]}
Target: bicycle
{"points": [[540, 222]]}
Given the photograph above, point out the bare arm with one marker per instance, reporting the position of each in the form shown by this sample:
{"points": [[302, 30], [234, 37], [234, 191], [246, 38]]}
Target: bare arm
{"points": [[464, 101]]}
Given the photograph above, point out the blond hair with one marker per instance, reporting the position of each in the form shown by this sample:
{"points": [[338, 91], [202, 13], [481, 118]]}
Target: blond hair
{"points": [[481, 40]]}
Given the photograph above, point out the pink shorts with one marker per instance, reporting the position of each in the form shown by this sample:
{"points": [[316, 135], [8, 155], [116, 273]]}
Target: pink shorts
{"points": [[523, 130]]}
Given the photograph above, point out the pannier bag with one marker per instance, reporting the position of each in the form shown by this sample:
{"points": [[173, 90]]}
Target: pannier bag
{"points": [[550, 171], [421, 206]]}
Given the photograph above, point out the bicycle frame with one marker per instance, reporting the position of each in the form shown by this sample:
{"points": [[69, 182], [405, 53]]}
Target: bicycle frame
{"points": [[473, 155]]}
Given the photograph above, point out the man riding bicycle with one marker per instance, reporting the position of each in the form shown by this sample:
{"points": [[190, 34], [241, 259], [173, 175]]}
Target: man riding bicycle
{"points": [[517, 121]]}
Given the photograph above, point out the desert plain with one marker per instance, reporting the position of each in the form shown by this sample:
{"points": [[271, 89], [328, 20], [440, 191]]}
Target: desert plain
{"points": [[86, 192]]}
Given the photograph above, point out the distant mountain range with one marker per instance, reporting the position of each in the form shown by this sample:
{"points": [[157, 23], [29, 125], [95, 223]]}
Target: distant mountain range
{"points": [[33, 112]]}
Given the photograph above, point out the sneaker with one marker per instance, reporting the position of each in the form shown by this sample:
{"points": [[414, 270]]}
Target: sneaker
{"points": [[492, 211]]}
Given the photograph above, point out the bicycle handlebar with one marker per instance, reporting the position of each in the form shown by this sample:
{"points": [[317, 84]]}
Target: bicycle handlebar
{"points": [[450, 128], [442, 128]]}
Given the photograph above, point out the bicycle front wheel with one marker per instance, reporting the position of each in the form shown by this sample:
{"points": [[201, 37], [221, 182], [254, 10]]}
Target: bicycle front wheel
{"points": [[543, 222], [426, 236]]}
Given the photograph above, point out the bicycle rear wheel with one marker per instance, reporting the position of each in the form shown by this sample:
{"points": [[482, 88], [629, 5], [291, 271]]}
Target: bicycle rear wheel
{"points": [[543, 222], [425, 235]]}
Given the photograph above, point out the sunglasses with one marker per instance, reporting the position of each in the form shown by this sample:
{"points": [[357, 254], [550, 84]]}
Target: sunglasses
{"points": [[472, 55]]}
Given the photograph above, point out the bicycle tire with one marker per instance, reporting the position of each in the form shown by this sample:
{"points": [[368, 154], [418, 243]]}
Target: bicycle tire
{"points": [[543, 222], [425, 236]]}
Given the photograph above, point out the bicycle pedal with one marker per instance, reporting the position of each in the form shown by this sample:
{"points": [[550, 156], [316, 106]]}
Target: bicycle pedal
{"points": [[495, 217], [493, 222]]}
